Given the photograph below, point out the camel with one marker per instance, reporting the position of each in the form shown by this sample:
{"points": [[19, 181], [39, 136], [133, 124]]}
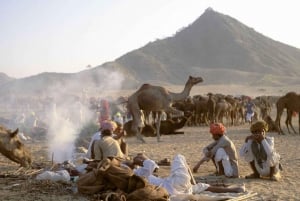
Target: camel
{"points": [[147, 130], [12, 147], [156, 99], [290, 101], [201, 111], [211, 107], [167, 127], [223, 109]]}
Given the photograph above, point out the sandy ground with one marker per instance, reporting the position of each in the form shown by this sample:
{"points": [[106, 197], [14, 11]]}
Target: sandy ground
{"points": [[190, 145]]}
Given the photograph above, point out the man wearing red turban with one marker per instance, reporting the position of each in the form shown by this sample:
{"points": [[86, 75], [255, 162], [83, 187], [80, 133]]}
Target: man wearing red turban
{"points": [[222, 152]]}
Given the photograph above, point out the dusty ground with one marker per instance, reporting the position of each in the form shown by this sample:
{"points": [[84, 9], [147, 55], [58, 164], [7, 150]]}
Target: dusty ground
{"points": [[189, 144]]}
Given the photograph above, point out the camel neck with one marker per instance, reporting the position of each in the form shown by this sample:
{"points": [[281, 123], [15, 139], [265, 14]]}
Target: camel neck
{"points": [[183, 95]]}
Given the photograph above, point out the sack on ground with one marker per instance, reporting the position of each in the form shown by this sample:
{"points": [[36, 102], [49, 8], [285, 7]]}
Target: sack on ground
{"points": [[108, 175], [90, 182], [149, 193], [118, 176]]}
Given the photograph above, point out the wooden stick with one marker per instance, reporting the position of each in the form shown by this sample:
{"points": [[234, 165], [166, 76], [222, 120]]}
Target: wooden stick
{"points": [[18, 170], [192, 177], [243, 197], [34, 172], [52, 157]]}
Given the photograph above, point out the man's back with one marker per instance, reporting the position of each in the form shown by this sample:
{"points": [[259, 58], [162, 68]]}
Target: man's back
{"points": [[107, 147]]}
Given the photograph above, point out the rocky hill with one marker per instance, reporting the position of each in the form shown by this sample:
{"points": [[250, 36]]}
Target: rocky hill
{"points": [[221, 49], [215, 46]]}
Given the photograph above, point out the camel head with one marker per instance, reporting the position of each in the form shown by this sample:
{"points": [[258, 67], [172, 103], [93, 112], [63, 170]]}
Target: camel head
{"points": [[194, 80], [13, 148]]}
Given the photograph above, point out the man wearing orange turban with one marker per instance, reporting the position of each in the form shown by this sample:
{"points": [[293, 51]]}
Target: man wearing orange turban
{"points": [[222, 152]]}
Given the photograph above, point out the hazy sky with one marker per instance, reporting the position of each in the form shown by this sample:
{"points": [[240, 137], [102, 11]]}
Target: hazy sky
{"points": [[67, 35]]}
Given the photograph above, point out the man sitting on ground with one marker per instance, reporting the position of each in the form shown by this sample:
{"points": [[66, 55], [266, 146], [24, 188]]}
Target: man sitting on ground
{"points": [[118, 134], [258, 150], [107, 146], [222, 152]]}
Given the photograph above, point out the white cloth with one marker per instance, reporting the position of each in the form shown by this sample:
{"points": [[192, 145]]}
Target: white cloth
{"points": [[249, 116], [273, 157], [199, 188], [96, 136], [179, 180], [118, 119], [147, 169], [221, 155], [228, 146], [61, 175]]}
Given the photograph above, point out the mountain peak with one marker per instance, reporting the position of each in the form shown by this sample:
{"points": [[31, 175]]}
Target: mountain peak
{"points": [[215, 46], [213, 42]]}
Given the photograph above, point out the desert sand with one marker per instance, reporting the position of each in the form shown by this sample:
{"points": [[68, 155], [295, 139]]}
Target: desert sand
{"points": [[189, 144]]}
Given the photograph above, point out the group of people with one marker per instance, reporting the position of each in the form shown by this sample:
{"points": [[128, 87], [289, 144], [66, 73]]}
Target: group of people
{"points": [[258, 150]]}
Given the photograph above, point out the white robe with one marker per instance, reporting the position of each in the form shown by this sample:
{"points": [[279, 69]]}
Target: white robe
{"points": [[273, 157], [179, 181]]}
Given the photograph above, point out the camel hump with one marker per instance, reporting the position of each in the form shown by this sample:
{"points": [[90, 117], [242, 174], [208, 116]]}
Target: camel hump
{"points": [[291, 94]]}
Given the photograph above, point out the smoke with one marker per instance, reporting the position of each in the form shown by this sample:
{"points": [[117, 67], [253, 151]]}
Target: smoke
{"points": [[69, 110]]}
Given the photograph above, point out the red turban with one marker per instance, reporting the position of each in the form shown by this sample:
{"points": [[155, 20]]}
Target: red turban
{"points": [[217, 129]]}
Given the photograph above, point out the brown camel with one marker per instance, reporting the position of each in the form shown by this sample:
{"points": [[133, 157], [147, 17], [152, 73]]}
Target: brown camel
{"points": [[167, 127], [223, 109], [290, 101], [13, 148], [147, 130], [156, 99], [201, 111]]}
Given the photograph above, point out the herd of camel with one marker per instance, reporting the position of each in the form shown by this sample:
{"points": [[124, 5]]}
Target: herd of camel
{"points": [[155, 100]]}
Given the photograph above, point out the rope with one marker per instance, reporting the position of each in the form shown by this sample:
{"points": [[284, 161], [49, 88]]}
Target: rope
{"points": [[109, 195]]}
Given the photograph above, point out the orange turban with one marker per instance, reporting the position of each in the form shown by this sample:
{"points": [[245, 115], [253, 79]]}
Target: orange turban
{"points": [[217, 129]]}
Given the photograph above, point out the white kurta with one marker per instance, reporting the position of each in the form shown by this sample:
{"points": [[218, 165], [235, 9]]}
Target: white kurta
{"points": [[96, 136], [273, 157]]}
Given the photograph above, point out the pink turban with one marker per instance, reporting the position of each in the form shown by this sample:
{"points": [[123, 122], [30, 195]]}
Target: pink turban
{"points": [[108, 125]]}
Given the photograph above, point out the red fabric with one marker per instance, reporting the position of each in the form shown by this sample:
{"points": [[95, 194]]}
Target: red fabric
{"points": [[104, 111], [217, 128]]}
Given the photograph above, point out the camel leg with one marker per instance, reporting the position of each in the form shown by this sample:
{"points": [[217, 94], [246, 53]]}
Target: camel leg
{"points": [[280, 130], [137, 121], [139, 135], [137, 126], [299, 121], [289, 121], [277, 122], [157, 124]]}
